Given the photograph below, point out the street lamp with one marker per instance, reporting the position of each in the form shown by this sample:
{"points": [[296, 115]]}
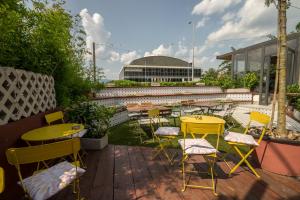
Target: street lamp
{"points": [[193, 43]]}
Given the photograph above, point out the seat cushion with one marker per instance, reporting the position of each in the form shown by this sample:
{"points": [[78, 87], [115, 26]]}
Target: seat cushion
{"points": [[50, 181], [239, 138], [167, 131], [197, 146]]}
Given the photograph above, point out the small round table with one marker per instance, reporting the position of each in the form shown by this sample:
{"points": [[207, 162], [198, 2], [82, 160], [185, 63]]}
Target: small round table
{"points": [[52, 132], [200, 119]]}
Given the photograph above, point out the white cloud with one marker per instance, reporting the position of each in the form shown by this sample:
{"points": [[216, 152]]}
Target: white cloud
{"points": [[161, 50], [251, 24], [208, 7], [126, 58], [228, 16], [202, 22], [96, 32]]}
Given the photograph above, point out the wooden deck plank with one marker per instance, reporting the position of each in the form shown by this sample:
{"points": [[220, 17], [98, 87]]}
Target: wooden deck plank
{"points": [[122, 172], [175, 173], [123, 181], [144, 188], [255, 188], [102, 186], [162, 178]]}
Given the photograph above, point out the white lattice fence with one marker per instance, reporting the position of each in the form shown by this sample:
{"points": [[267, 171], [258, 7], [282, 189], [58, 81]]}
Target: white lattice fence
{"points": [[24, 93]]}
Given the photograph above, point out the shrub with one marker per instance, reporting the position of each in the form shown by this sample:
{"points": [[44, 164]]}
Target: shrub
{"points": [[44, 38], [225, 82], [250, 80], [94, 117], [293, 100]]}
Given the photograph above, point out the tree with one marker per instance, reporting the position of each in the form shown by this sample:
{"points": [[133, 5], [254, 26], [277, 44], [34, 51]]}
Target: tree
{"points": [[281, 67], [225, 67], [45, 38]]}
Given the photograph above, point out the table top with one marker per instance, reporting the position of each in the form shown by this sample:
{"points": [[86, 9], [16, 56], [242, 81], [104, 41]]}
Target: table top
{"points": [[141, 108], [1, 179], [202, 119], [52, 132], [206, 104]]}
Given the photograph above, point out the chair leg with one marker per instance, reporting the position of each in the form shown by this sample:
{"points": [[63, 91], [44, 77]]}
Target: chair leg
{"points": [[183, 174], [244, 159]]}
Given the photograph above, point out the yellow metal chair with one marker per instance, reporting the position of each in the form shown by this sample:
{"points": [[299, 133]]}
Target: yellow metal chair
{"points": [[2, 180], [163, 135], [198, 145], [52, 117], [59, 115], [237, 140], [46, 183]]}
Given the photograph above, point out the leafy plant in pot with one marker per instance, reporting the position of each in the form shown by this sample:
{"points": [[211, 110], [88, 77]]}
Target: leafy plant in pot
{"points": [[96, 120]]}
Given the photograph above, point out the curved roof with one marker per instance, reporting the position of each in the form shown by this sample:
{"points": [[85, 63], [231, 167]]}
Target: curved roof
{"points": [[160, 61]]}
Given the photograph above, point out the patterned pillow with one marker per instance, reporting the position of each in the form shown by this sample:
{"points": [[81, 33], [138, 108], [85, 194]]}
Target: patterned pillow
{"points": [[197, 146], [50, 181], [167, 131], [240, 138]]}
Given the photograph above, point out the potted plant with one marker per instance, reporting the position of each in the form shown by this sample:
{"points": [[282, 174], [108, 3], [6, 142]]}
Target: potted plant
{"points": [[294, 100], [95, 119]]}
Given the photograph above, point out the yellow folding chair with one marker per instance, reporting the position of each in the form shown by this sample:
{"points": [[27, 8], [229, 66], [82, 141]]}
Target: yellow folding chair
{"points": [[52, 117], [163, 135], [48, 182], [238, 140], [200, 146], [2, 180]]}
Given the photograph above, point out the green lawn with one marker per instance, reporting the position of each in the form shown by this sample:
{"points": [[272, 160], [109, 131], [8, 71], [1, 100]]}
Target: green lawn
{"points": [[128, 133]]}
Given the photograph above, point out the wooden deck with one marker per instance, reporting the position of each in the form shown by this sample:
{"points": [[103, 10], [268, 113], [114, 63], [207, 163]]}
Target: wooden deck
{"points": [[124, 172]]}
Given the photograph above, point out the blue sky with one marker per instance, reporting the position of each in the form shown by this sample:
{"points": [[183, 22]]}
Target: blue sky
{"points": [[128, 29]]}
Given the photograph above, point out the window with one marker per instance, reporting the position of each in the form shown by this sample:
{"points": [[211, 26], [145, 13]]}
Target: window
{"points": [[255, 60], [239, 64]]}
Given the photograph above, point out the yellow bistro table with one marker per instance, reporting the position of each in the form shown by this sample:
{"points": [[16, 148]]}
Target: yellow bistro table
{"points": [[52, 132], [1, 180], [200, 119]]}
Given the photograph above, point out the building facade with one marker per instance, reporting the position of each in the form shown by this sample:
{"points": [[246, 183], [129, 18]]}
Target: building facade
{"points": [[158, 69], [261, 58]]}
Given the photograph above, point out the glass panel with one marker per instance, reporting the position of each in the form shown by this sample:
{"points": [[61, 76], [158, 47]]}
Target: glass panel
{"points": [[292, 44], [239, 64], [254, 60], [271, 50]]}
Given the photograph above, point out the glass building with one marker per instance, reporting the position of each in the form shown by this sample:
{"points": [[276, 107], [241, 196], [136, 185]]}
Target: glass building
{"points": [[159, 68], [261, 58]]}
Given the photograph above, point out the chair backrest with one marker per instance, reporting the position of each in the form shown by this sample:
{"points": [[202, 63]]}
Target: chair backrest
{"points": [[37, 153], [260, 118], [52, 117], [34, 154], [153, 113], [203, 130]]}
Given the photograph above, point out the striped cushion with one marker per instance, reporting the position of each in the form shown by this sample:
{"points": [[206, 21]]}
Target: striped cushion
{"points": [[167, 131], [197, 146], [239, 138], [45, 184]]}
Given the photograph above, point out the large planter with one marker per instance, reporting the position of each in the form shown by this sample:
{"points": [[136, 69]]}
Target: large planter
{"points": [[279, 156], [94, 143]]}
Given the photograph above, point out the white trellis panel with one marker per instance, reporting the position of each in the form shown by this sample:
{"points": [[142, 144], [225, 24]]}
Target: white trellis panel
{"points": [[24, 93]]}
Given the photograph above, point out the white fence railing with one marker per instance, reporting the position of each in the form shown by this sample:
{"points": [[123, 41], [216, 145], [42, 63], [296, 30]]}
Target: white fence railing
{"points": [[168, 95], [24, 93], [142, 91]]}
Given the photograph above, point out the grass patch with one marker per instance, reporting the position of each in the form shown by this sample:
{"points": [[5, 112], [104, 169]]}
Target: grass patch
{"points": [[128, 133]]}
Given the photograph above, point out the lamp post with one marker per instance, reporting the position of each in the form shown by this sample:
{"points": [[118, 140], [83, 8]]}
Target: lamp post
{"points": [[193, 43]]}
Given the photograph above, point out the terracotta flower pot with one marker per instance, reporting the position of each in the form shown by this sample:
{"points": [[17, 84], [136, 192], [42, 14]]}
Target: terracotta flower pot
{"points": [[280, 157]]}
